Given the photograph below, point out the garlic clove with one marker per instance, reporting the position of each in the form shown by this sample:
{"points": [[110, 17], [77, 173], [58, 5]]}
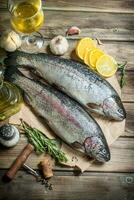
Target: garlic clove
{"points": [[16, 39], [74, 30], [8, 45]]}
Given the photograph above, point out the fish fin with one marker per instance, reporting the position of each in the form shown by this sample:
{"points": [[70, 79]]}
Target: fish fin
{"points": [[10, 61], [93, 106], [58, 87], [77, 145], [27, 98], [26, 73], [11, 58], [37, 76], [89, 143], [12, 73], [36, 72]]}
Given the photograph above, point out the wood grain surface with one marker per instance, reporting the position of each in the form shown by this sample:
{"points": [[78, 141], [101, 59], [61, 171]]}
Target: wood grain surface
{"points": [[106, 26], [114, 6], [111, 21], [88, 186]]}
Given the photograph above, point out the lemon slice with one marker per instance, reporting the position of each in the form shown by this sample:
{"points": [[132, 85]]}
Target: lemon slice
{"points": [[106, 66], [86, 57], [83, 45], [94, 56]]}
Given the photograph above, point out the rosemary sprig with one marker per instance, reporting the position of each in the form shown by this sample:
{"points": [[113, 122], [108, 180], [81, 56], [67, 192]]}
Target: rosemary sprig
{"points": [[121, 69], [42, 143]]}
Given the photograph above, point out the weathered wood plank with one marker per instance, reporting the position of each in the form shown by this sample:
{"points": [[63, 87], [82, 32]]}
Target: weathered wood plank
{"points": [[121, 6], [109, 26], [129, 129], [90, 187], [92, 24], [122, 157], [128, 89], [116, 6]]}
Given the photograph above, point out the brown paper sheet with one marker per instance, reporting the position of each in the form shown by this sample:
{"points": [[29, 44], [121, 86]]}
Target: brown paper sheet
{"points": [[112, 131]]}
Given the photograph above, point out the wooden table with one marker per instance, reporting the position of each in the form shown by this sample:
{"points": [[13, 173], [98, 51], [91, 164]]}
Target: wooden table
{"points": [[113, 23]]}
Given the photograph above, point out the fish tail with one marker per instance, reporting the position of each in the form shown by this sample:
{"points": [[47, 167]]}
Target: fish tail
{"points": [[12, 74], [11, 59], [17, 58]]}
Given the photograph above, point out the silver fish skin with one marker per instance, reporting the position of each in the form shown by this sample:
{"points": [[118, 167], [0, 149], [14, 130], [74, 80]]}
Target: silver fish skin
{"points": [[64, 116], [76, 80]]}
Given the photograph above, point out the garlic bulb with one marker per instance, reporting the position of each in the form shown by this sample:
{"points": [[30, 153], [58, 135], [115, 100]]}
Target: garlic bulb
{"points": [[59, 45], [10, 41]]}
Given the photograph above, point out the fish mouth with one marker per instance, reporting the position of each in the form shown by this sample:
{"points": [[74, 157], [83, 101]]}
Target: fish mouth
{"points": [[122, 115], [102, 158]]}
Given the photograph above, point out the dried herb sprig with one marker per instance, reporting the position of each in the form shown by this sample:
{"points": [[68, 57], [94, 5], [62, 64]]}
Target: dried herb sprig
{"points": [[42, 143], [121, 69]]}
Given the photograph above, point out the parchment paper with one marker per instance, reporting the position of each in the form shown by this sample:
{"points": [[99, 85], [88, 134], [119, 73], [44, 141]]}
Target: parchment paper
{"points": [[111, 129]]}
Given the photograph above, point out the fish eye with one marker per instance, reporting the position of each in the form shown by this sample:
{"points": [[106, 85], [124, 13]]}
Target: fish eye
{"points": [[104, 151], [120, 110]]}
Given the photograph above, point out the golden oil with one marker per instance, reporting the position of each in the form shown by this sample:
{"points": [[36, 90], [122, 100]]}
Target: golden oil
{"points": [[10, 100], [27, 17]]}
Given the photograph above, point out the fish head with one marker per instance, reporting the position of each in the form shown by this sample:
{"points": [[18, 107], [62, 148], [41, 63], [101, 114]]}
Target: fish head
{"points": [[113, 108], [96, 148]]}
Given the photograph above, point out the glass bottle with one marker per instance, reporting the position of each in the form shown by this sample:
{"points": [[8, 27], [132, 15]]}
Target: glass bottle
{"points": [[10, 100], [27, 17]]}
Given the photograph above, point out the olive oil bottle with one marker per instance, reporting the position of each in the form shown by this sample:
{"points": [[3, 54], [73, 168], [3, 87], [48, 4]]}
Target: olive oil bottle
{"points": [[10, 100]]}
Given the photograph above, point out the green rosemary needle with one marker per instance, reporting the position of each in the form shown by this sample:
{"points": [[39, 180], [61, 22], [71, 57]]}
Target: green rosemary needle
{"points": [[42, 143], [121, 69]]}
